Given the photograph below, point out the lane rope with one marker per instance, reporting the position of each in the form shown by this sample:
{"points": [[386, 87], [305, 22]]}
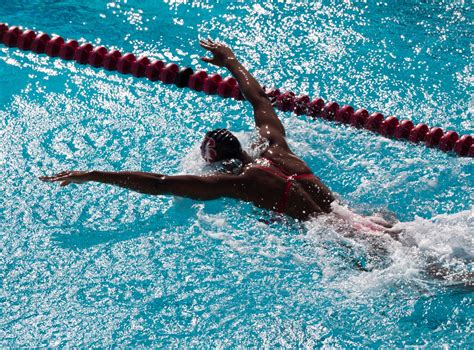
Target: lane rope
{"points": [[214, 84]]}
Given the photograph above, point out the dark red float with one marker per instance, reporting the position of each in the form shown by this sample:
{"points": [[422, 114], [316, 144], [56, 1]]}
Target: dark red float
{"points": [[168, 73], [25, 39], [433, 136], [447, 141], [53, 46], [461, 147], [39, 43], [285, 101], [81, 55], [111, 59], [329, 110], [272, 93], [139, 67], [153, 70], [344, 114], [315, 107], [124, 63], [374, 121], [402, 130], [3, 29], [359, 118], [211, 83], [237, 93], [10, 37], [301, 104], [68, 50], [224, 88], [96, 57], [387, 128], [418, 133], [196, 81]]}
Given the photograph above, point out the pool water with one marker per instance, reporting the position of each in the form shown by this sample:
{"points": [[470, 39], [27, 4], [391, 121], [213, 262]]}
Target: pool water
{"points": [[94, 265]]}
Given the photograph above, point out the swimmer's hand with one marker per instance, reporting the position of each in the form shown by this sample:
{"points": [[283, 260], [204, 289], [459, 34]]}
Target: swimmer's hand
{"points": [[222, 54], [68, 177]]}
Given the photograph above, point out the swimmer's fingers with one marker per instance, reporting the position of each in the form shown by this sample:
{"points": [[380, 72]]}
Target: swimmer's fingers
{"points": [[207, 59], [205, 44], [56, 177], [53, 178], [66, 177]]}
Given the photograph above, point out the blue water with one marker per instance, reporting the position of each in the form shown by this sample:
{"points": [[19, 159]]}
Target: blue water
{"points": [[98, 266]]}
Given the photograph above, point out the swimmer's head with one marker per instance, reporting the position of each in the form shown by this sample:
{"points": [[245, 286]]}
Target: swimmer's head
{"points": [[220, 144]]}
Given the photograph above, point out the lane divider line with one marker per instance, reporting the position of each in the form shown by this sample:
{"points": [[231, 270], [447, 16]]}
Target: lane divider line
{"points": [[214, 84]]}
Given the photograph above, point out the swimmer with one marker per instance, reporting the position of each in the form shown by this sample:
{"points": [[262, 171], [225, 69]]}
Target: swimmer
{"points": [[277, 180]]}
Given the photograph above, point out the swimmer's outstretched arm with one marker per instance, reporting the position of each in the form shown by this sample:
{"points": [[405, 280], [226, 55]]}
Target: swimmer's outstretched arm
{"points": [[270, 127], [191, 186]]}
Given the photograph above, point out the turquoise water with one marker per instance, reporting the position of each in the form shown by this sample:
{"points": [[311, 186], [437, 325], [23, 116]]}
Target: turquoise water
{"points": [[99, 266]]}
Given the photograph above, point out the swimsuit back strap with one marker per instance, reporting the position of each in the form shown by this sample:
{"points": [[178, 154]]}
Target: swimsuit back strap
{"points": [[277, 166], [302, 176], [281, 206]]}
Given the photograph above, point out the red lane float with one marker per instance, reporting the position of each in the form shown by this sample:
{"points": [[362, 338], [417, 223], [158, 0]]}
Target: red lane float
{"points": [[315, 107], [96, 57], [329, 110], [124, 63], [10, 37], [344, 114], [359, 118], [39, 43], [153, 70], [196, 81], [374, 121], [3, 29], [68, 49], [226, 86], [462, 146], [53, 46], [387, 128], [214, 84], [111, 59], [285, 101], [211, 83], [81, 55], [139, 67], [433, 137], [301, 105], [168, 73], [402, 130], [25, 40]]}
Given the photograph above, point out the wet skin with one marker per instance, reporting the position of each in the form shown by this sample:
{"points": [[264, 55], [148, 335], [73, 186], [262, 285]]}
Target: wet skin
{"points": [[307, 197]]}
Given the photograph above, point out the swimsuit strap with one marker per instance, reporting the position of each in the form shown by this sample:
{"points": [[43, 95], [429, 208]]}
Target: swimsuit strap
{"points": [[302, 176], [277, 166], [281, 206]]}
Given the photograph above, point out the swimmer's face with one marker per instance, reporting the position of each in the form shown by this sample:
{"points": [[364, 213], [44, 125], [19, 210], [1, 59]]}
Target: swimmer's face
{"points": [[220, 144]]}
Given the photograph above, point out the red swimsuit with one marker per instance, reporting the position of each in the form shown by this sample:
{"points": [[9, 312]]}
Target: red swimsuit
{"points": [[289, 182]]}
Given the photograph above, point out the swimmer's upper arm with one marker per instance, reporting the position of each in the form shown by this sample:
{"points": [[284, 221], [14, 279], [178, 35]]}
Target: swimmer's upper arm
{"points": [[267, 122], [266, 119], [207, 187]]}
